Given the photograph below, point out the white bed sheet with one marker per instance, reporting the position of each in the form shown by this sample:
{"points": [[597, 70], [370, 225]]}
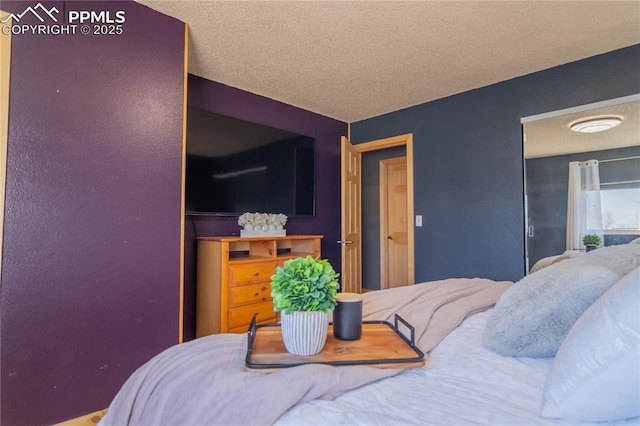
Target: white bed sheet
{"points": [[461, 384]]}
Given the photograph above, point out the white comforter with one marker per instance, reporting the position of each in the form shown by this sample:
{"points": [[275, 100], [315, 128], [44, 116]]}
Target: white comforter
{"points": [[204, 382], [462, 384]]}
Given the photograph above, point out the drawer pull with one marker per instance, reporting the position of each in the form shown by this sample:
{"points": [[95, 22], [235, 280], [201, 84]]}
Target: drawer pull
{"points": [[256, 294], [264, 288]]}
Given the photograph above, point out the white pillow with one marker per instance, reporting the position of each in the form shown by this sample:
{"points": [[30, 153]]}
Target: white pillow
{"points": [[596, 373]]}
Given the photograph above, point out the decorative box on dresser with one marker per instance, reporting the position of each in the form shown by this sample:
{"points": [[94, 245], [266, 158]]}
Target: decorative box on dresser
{"points": [[234, 279]]}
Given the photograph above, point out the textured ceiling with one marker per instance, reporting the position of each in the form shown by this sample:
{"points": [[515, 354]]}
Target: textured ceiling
{"points": [[552, 136], [352, 60]]}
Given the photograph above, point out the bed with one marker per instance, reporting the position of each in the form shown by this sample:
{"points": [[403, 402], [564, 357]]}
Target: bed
{"points": [[561, 346], [567, 254], [550, 260]]}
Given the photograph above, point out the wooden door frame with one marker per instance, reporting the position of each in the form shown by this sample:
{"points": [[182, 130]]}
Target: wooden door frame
{"points": [[405, 140], [384, 164], [183, 184], [5, 73]]}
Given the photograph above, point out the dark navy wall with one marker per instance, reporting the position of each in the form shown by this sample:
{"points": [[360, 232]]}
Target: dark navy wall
{"points": [[218, 98], [91, 255], [469, 167], [547, 186]]}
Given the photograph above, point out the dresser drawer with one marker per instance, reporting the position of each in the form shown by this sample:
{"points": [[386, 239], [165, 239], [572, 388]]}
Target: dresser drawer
{"points": [[251, 293], [245, 328], [251, 273], [241, 316]]}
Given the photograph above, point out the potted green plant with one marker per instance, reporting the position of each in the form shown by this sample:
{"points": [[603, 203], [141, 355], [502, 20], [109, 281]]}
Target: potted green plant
{"points": [[591, 241], [304, 292]]}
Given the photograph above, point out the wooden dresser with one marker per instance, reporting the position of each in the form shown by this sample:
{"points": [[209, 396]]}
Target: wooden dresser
{"points": [[234, 279]]}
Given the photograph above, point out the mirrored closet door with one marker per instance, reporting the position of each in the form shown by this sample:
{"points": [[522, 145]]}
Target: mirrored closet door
{"points": [[582, 177]]}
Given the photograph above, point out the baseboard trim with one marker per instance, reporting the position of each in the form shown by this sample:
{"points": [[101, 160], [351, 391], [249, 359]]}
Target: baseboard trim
{"points": [[86, 420]]}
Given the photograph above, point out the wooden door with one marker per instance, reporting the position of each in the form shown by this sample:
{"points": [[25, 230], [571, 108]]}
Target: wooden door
{"points": [[394, 245], [351, 277]]}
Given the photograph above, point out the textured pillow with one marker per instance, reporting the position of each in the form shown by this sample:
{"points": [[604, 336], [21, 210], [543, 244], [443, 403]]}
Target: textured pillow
{"points": [[533, 316], [596, 373]]}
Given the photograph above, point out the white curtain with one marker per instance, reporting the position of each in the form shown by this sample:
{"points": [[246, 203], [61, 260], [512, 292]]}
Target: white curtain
{"points": [[584, 214]]}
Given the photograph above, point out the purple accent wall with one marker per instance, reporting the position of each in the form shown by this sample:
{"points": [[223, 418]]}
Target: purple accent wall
{"points": [[216, 97], [90, 267]]}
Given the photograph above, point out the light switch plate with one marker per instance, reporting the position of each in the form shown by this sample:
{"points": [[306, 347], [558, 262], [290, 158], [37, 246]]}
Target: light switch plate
{"points": [[418, 220]]}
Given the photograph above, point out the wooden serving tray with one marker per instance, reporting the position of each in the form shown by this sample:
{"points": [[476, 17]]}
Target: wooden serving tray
{"points": [[381, 346]]}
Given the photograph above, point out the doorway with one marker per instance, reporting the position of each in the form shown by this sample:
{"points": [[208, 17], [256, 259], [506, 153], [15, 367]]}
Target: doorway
{"points": [[393, 222], [356, 236]]}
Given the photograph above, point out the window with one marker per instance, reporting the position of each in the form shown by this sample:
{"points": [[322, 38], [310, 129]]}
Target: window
{"points": [[620, 209]]}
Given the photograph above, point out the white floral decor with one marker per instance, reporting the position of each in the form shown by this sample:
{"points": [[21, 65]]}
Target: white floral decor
{"points": [[262, 225]]}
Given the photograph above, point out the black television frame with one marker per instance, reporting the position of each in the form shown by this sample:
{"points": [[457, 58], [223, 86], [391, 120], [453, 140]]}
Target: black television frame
{"points": [[235, 132]]}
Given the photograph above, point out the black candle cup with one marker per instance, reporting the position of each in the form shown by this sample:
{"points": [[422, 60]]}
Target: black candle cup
{"points": [[347, 317]]}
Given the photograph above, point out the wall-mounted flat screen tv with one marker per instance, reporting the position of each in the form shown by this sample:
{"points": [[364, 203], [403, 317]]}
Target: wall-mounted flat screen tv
{"points": [[235, 166]]}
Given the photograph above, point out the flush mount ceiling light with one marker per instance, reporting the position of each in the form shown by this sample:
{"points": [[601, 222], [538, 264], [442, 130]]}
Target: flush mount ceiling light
{"points": [[595, 124]]}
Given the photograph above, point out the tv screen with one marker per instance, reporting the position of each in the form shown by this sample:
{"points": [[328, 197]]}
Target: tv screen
{"points": [[235, 166]]}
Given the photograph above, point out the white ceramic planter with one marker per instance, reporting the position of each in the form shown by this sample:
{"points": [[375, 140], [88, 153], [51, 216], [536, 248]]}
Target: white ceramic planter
{"points": [[304, 333]]}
